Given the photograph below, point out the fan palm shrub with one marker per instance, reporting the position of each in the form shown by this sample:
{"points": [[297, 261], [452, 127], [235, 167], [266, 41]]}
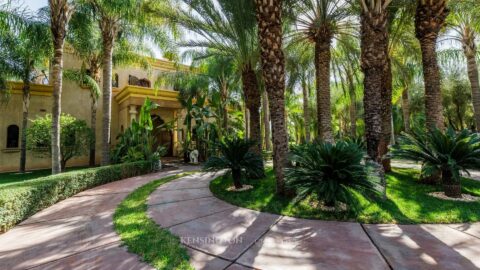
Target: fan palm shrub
{"points": [[237, 157], [328, 172], [447, 153]]}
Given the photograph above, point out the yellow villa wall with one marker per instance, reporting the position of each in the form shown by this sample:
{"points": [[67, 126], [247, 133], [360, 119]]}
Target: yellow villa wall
{"points": [[76, 101]]}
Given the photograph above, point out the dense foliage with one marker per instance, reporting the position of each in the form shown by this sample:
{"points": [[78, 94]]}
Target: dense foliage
{"points": [[75, 136], [328, 172], [21, 200], [237, 157], [447, 153], [138, 142]]}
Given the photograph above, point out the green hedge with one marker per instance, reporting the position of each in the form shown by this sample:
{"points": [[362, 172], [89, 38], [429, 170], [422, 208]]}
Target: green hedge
{"points": [[19, 201]]}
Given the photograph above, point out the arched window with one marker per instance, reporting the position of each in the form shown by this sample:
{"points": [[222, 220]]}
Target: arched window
{"points": [[115, 80], [13, 133]]}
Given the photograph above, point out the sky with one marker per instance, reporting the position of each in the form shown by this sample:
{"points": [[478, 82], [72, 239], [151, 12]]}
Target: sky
{"points": [[32, 4]]}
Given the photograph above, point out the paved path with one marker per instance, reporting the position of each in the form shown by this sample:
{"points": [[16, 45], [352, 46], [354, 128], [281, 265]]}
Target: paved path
{"points": [[77, 233], [222, 236]]}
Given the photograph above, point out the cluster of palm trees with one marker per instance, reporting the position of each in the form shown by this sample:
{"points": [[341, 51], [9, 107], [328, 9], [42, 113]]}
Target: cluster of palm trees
{"points": [[297, 44], [339, 48], [99, 31]]}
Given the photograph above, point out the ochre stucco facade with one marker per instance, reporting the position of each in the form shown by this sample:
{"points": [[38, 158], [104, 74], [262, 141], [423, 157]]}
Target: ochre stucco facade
{"points": [[76, 101]]}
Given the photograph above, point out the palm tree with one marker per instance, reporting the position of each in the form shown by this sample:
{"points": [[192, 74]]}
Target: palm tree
{"points": [[133, 20], [301, 70], [266, 122], [85, 38], [429, 20], [375, 64], [345, 64], [60, 13], [270, 36], [228, 30], [21, 33], [466, 28], [319, 22]]}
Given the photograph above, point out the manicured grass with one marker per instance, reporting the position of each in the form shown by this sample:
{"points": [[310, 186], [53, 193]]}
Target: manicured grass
{"points": [[407, 202], [15, 177], [143, 236]]}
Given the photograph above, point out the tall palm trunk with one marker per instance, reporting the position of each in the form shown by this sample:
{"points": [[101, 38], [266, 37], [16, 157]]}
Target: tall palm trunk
{"points": [[23, 141], [374, 62], [470, 50], [306, 113], [322, 72], [429, 19], [223, 101], [266, 122], [60, 13], [109, 31], [406, 110], [94, 68], [269, 18], [353, 104], [386, 116], [253, 103]]}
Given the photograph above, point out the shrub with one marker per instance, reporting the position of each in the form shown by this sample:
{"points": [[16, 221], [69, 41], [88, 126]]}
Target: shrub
{"points": [[238, 159], [75, 135], [446, 153], [327, 171], [138, 142], [18, 202]]}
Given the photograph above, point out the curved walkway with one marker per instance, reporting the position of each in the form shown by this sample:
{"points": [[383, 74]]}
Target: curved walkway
{"points": [[219, 235], [77, 233]]}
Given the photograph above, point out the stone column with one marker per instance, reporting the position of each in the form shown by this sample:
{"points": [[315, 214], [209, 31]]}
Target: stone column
{"points": [[133, 113]]}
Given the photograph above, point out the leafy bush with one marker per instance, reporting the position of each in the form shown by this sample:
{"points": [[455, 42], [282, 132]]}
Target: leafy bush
{"points": [[137, 142], [238, 159], [446, 153], [327, 171], [18, 202], [74, 137]]}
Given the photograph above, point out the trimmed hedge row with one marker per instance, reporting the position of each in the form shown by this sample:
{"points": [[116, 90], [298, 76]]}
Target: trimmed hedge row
{"points": [[18, 202]]}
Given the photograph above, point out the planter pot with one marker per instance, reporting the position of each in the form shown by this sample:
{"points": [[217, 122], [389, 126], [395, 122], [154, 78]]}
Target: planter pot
{"points": [[454, 191]]}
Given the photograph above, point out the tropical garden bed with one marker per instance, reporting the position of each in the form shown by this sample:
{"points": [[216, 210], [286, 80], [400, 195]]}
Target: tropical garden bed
{"points": [[408, 201]]}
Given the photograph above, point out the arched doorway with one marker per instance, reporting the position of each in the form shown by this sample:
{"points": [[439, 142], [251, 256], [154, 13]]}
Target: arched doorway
{"points": [[163, 134]]}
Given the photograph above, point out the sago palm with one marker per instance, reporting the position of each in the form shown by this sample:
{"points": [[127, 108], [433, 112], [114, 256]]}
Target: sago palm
{"points": [[328, 172], [236, 155], [446, 152]]}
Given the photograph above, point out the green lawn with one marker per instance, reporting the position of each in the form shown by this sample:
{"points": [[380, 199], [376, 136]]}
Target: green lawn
{"points": [[15, 177], [143, 236], [407, 202]]}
